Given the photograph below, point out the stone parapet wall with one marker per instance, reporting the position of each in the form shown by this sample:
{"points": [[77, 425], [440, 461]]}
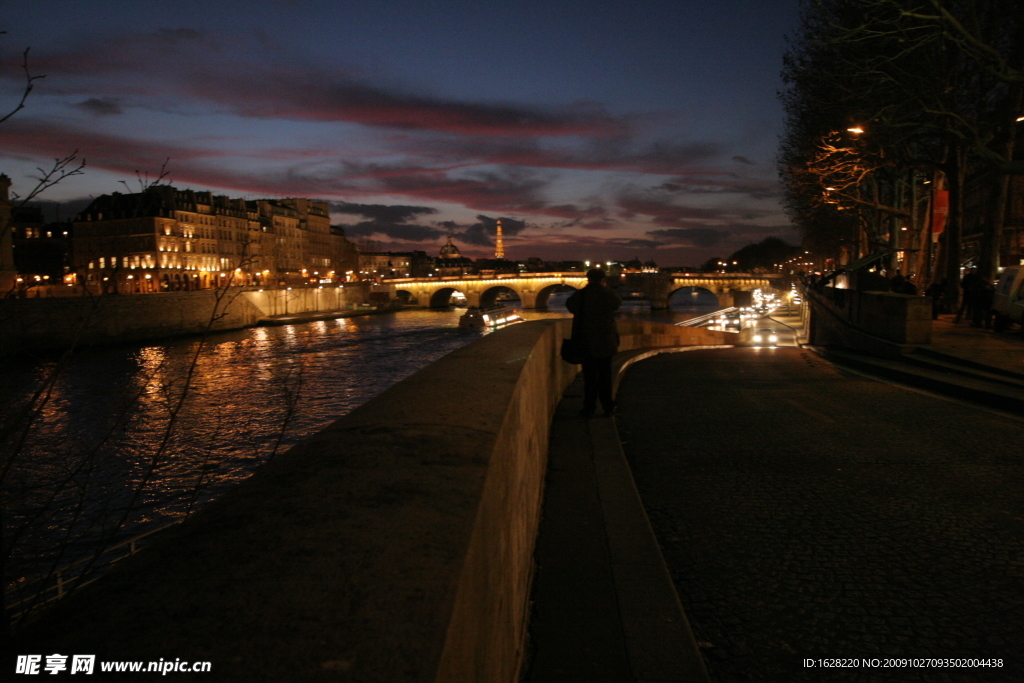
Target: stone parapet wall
{"points": [[297, 300], [394, 545], [59, 322], [879, 323], [899, 318]]}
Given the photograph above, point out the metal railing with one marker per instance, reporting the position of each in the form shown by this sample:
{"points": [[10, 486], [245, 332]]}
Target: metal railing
{"points": [[707, 317], [26, 596]]}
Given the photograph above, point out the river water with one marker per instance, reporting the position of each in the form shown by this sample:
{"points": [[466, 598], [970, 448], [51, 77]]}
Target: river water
{"points": [[119, 449]]}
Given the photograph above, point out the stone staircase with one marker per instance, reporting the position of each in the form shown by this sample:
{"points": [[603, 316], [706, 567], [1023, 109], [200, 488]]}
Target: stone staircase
{"points": [[944, 374]]}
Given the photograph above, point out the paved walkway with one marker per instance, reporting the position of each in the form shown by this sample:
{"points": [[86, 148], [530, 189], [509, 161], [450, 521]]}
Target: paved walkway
{"points": [[605, 609], [809, 513], [589, 625], [1001, 350]]}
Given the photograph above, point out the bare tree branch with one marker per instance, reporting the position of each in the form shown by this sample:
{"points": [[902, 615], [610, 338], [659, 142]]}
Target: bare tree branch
{"points": [[30, 81], [62, 168]]}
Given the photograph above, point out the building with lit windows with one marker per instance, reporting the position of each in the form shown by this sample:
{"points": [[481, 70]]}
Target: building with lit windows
{"points": [[384, 264], [165, 239], [452, 262]]}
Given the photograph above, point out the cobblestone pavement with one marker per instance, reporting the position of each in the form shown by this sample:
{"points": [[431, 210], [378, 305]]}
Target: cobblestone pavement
{"points": [[806, 512]]}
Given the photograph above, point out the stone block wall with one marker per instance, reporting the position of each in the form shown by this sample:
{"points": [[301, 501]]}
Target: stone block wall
{"points": [[879, 323], [394, 545], [899, 318], [59, 322]]}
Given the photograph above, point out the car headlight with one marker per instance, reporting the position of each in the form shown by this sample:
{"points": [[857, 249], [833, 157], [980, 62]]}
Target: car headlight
{"points": [[773, 339], [757, 337]]}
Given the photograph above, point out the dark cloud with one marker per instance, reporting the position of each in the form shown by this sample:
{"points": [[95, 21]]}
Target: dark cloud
{"points": [[381, 213], [482, 232], [637, 244], [215, 69], [743, 160], [577, 213], [101, 150], [664, 212], [610, 153], [100, 107], [389, 221], [404, 232], [700, 237], [514, 189], [600, 224], [723, 183]]}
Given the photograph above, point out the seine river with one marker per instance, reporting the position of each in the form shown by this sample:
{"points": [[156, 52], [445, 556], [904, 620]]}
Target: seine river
{"points": [[117, 439]]}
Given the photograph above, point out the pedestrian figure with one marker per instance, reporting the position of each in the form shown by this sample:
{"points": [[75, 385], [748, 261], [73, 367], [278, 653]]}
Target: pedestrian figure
{"points": [[935, 291], [593, 327], [983, 304], [970, 285]]}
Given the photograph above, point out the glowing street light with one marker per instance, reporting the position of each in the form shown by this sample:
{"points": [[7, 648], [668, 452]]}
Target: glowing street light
{"points": [[856, 130]]}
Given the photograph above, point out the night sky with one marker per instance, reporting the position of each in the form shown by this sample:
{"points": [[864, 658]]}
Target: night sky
{"points": [[597, 130]]}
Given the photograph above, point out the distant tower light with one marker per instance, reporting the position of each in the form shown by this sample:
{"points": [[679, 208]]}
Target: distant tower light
{"points": [[499, 244]]}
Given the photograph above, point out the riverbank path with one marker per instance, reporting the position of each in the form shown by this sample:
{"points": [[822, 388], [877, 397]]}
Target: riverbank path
{"points": [[794, 514]]}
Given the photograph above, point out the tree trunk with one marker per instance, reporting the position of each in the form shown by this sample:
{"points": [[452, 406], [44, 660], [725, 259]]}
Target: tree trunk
{"points": [[954, 226], [992, 239]]}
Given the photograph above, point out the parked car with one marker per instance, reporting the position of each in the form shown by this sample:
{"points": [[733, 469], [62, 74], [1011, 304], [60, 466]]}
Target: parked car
{"points": [[1008, 301]]}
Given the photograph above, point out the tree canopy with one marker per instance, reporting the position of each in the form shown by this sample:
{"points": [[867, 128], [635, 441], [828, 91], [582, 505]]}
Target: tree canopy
{"points": [[886, 97]]}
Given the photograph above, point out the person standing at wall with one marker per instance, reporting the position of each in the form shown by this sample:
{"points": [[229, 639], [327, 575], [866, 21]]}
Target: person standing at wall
{"points": [[593, 326]]}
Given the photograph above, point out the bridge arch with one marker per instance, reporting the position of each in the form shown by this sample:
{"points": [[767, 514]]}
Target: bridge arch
{"points": [[544, 293], [693, 292], [535, 289], [442, 296], [489, 296], [406, 296]]}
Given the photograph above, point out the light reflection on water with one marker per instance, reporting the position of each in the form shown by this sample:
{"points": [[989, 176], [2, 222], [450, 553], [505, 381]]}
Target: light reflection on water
{"points": [[252, 392]]}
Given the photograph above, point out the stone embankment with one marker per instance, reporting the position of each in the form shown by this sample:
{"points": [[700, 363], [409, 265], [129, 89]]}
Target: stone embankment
{"points": [[60, 322], [395, 545]]}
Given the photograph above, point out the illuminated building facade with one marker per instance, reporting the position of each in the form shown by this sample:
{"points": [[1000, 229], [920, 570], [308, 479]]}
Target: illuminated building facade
{"points": [[452, 262], [165, 239]]}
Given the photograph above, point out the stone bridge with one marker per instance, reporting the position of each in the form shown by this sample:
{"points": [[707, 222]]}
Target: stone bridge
{"points": [[534, 289]]}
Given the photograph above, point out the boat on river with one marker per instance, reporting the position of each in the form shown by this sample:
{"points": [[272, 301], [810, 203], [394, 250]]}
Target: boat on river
{"points": [[489, 317]]}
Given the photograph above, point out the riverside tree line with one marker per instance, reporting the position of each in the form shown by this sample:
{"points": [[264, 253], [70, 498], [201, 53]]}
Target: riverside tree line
{"points": [[892, 107]]}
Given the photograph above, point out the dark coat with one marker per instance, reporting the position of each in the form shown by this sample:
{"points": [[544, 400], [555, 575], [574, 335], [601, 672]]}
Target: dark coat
{"points": [[595, 325]]}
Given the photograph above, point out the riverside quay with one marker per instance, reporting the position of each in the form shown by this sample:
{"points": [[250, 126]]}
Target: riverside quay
{"points": [[849, 493]]}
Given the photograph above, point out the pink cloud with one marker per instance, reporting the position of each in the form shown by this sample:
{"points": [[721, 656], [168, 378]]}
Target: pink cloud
{"points": [[187, 62]]}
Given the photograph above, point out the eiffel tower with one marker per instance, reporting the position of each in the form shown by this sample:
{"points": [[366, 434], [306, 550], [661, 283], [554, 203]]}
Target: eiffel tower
{"points": [[499, 245]]}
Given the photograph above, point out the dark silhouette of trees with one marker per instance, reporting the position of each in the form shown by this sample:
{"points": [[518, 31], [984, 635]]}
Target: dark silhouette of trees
{"points": [[886, 97], [764, 255]]}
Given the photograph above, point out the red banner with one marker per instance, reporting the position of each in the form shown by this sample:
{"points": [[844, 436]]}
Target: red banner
{"points": [[940, 210]]}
